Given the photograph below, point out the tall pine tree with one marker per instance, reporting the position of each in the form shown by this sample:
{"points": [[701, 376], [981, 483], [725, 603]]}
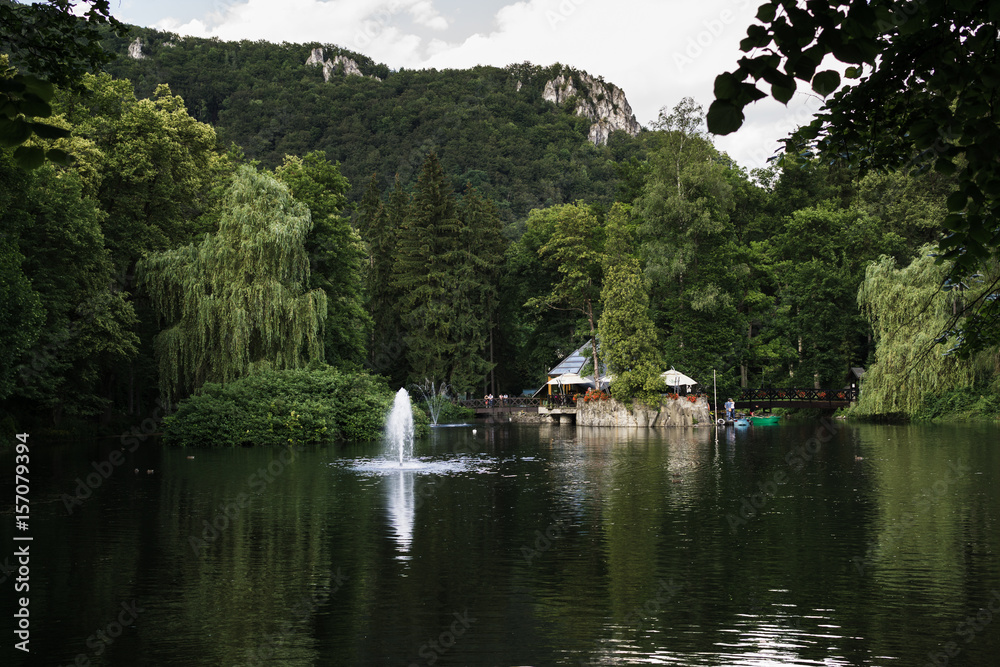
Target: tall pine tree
{"points": [[379, 226], [428, 254]]}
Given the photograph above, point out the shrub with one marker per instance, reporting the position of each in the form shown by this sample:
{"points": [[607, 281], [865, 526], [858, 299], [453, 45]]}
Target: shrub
{"points": [[282, 408]]}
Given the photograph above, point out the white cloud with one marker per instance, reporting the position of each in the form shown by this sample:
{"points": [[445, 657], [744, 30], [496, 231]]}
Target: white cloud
{"points": [[424, 13], [657, 52]]}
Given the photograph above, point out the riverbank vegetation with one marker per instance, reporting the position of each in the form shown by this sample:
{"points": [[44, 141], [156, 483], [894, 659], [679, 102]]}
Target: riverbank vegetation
{"points": [[441, 226], [306, 406]]}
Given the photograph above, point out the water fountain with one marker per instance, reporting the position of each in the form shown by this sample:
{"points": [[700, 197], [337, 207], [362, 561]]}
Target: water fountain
{"points": [[399, 428], [397, 450], [435, 398]]}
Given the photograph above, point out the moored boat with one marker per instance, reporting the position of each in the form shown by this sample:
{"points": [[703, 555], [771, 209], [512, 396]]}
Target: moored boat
{"points": [[765, 419]]}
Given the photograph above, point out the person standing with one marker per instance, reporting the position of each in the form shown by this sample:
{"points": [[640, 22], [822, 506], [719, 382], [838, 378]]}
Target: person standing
{"points": [[730, 409]]}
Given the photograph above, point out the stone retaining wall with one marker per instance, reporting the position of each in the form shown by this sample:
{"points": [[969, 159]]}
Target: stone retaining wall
{"points": [[671, 412]]}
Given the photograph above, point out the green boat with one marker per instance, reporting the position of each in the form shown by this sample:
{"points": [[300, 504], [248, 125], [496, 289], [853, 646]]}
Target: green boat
{"points": [[767, 419]]}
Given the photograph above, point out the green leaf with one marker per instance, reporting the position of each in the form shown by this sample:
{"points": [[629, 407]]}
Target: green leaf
{"points": [[59, 157], [783, 93], [14, 85], [956, 201], [43, 89], [49, 131], [757, 37], [945, 166], [723, 117], [29, 157], [32, 105], [853, 73], [765, 13], [13, 132], [826, 82], [848, 52], [726, 86]]}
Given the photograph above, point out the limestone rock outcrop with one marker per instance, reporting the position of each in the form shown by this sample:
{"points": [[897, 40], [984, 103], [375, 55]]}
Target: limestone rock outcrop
{"points": [[135, 49], [601, 102], [670, 412], [349, 66]]}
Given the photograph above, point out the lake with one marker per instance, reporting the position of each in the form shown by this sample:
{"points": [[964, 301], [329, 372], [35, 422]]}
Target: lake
{"points": [[809, 543]]}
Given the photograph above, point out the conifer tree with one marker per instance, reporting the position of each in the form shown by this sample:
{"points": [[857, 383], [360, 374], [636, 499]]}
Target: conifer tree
{"points": [[428, 255], [237, 301], [379, 224], [478, 279]]}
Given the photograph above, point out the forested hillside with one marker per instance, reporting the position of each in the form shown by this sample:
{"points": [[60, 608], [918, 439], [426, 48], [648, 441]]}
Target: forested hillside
{"points": [[490, 127], [231, 210]]}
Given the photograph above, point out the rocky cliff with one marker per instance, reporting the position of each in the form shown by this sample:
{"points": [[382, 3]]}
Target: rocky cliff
{"points": [[135, 50], [349, 66], [670, 412], [603, 103]]}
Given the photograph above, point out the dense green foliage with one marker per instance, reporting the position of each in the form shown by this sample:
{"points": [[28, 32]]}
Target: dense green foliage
{"points": [[445, 277], [489, 126], [629, 344], [237, 302], [336, 254], [912, 375], [432, 226], [320, 405], [922, 87], [54, 46]]}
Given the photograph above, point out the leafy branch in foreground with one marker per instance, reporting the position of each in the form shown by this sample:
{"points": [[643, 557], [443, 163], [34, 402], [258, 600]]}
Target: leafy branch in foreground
{"points": [[926, 82], [57, 47]]}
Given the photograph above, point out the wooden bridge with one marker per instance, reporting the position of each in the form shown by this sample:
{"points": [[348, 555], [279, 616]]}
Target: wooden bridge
{"points": [[793, 398], [499, 406], [748, 399]]}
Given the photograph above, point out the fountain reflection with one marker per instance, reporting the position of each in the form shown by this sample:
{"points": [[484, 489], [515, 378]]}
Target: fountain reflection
{"points": [[402, 509]]}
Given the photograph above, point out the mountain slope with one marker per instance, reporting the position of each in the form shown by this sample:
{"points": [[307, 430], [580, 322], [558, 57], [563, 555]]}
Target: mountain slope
{"points": [[525, 135]]}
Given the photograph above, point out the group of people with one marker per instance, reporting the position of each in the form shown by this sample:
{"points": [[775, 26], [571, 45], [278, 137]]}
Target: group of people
{"points": [[491, 402], [730, 406]]}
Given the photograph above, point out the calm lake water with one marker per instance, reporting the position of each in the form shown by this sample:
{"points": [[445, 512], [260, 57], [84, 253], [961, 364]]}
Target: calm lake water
{"points": [[522, 545]]}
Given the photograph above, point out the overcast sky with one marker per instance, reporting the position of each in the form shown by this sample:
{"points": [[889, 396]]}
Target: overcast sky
{"points": [[657, 51]]}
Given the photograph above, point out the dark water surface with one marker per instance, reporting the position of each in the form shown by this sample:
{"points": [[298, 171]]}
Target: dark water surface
{"points": [[521, 545]]}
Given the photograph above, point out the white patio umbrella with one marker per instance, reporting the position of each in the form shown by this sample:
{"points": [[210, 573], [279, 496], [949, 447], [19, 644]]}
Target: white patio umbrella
{"points": [[674, 378], [567, 379]]}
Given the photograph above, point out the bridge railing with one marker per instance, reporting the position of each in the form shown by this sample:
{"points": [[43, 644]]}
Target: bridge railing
{"points": [[796, 394], [512, 402]]}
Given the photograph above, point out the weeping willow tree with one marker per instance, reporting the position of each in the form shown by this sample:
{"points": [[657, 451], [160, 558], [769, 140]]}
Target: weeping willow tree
{"points": [[909, 310], [236, 302]]}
